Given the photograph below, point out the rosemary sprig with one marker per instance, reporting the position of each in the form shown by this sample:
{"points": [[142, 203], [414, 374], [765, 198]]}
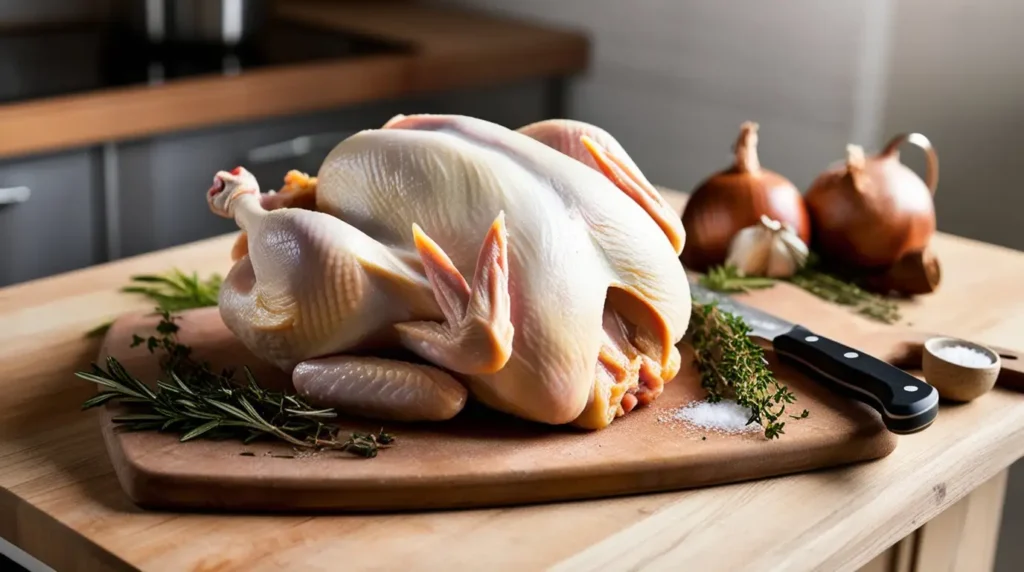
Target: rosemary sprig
{"points": [[732, 366], [812, 278], [172, 291], [195, 401]]}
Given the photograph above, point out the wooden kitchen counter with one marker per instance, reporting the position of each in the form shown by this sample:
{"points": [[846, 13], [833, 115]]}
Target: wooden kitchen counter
{"points": [[450, 50], [60, 500]]}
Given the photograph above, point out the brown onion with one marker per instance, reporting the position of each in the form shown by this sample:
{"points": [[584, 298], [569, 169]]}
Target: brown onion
{"points": [[870, 212], [735, 198]]}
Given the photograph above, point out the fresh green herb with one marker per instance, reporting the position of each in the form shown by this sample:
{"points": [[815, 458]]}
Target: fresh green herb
{"points": [[173, 291], [802, 415], [727, 278], [195, 401], [812, 278], [732, 366], [176, 291], [838, 291]]}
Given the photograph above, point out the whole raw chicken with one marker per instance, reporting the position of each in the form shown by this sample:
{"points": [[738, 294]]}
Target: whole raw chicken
{"points": [[443, 257]]}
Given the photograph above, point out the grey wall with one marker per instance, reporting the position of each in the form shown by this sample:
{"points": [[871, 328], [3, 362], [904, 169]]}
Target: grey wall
{"points": [[958, 77], [674, 80]]}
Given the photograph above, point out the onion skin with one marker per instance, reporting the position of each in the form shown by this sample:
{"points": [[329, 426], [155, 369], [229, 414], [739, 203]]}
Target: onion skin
{"points": [[869, 213], [736, 198]]}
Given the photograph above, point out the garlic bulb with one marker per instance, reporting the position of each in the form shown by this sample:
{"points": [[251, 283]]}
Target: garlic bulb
{"points": [[769, 248]]}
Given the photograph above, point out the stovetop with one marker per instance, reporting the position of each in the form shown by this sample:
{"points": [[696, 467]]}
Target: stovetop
{"points": [[86, 58]]}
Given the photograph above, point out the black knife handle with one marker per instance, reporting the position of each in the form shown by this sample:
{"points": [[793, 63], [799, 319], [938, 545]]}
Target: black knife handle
{"points": [[907, 404]]}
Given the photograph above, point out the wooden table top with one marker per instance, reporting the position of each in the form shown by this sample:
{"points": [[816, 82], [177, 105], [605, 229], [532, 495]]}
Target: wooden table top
{"points": [[60, 501], [450, 49]]}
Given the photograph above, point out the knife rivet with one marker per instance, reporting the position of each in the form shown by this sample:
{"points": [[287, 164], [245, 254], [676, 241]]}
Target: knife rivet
{"points": [[850, 355], [910, 388], [811, 338]]}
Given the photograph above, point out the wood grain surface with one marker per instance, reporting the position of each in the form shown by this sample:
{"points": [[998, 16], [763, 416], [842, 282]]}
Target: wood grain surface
{"points": [[481, 458], [61, 502], [449, 49]]}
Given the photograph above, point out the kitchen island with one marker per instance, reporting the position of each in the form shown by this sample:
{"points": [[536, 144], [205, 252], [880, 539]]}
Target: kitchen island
{"points": [[936, 499]]}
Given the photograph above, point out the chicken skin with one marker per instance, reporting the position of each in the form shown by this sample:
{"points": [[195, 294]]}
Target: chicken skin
{"points": [[441, 258]]}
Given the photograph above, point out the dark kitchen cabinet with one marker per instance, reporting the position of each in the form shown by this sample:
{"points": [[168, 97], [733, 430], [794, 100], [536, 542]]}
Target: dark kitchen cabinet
{"points": [[51, 215], [163, 181]]}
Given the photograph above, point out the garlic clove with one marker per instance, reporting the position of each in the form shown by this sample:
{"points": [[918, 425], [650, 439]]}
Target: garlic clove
{"points": [[781, 262], [750, 250], [769, 248]]}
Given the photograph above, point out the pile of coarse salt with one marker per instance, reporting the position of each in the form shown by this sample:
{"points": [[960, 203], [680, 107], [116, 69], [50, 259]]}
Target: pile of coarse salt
{"points": [[961, 355], [725, 416]]}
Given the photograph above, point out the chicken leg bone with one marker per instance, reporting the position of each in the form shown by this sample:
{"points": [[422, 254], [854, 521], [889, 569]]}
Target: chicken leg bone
{"points": [[299, 191]]}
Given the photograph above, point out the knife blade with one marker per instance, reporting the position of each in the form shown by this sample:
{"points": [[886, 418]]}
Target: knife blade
{"points": [[906, 404]]}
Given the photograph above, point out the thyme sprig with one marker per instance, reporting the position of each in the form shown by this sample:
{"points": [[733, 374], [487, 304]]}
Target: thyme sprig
{"points": [[812, 278], [727, 278], [833, 289], [733, 366], [195, 401]]}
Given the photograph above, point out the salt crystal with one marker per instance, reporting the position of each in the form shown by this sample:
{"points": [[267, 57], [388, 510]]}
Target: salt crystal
{"points": [[726, 416], [964, 356]]}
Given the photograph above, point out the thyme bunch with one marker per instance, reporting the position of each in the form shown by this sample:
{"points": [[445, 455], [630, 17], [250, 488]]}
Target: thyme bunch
{"points": [[733, 366], [195, 401], [833, 289], [815, 280]]}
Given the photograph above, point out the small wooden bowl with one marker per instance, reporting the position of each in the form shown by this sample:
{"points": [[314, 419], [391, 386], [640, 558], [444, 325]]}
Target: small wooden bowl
{"points": [[955, 381]]}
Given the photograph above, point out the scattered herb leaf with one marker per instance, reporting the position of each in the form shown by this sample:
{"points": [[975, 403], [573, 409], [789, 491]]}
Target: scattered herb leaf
{"points": [[802, 415], [195, 402]]}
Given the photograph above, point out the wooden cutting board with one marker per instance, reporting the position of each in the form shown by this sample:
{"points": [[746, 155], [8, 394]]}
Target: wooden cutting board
{"points": [[486, 459]]}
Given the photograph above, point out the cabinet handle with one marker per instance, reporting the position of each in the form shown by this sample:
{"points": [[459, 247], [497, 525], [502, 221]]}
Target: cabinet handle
{"points": [[293, 148], [14, 195]]}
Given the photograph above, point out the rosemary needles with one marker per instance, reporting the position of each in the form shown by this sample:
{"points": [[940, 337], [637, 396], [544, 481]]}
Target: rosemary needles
{"points": [[195, 401]]}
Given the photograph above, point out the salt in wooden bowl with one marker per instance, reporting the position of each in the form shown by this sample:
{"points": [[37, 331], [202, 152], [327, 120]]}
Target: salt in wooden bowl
{"points": [[958, 369]]}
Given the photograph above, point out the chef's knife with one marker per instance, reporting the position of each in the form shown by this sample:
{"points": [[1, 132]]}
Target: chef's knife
{"points": [[907, 404]]}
